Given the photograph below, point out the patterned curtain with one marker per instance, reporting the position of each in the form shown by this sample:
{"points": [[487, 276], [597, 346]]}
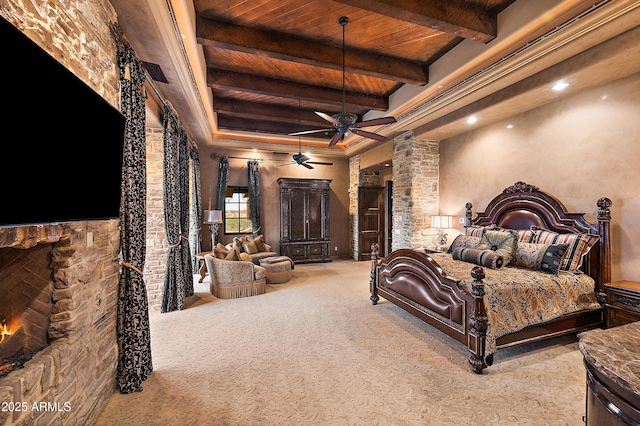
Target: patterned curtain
{"points": [[221, 188], [195, 240], [254, 195], [185, 210], [178, 280], [133, 332]]}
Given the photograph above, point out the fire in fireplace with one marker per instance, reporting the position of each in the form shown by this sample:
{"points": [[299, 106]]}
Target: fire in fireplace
{"points": [[4, 330]]}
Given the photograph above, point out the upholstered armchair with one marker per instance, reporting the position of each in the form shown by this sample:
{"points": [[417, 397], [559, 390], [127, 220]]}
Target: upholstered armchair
{"points": [[235, 278]]}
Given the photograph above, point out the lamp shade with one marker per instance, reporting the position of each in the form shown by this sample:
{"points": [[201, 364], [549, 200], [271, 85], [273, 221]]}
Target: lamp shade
{"points": [[212, 216], [441, 222]]}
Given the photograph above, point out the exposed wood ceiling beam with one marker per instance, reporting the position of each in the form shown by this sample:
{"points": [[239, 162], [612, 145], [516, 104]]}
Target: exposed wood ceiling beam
{"points": [[234, 123], [285, 47], [457, 18], [218, 79], [262, 111]]}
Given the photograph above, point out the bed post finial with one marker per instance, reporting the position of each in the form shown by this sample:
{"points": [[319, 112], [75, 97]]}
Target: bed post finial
{"points": [[479, 320], [604, 219], [375, 251], [468, 213]]}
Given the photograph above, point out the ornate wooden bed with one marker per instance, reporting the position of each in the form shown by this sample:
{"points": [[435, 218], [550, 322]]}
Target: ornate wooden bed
{"points": [[414, 281]]}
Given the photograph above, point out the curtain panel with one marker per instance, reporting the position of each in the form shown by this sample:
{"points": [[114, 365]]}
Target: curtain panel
{"points": [[195, 238], [178, 281], [184, 157], [133, 332], [253, 168], [221, 188]]}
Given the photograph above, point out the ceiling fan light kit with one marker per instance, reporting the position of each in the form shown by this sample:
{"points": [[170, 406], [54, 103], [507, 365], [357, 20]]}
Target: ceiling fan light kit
{"points": [[345, 122]]}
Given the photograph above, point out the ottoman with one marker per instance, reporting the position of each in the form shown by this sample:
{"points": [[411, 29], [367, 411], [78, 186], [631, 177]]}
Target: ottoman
{"points": [[278, 269]]}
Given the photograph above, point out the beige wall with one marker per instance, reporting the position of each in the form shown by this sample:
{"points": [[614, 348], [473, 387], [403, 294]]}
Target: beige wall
{"points": [[270, 171], [579, 149]]}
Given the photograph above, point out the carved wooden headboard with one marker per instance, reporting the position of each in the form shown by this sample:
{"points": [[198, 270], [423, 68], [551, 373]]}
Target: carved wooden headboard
{"points": [[522, 206]]}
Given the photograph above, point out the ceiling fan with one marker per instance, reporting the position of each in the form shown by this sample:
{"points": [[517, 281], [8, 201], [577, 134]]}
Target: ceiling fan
{"points": [[302, 159], [345, 122]]}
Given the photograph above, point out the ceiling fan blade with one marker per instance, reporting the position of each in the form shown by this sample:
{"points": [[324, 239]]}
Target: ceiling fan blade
{"points": [[304, 158], [305, 132], [334, 140], [286, 164], [376, 122], [369, 135], [306, 165], [319, 163], [327, 117]]}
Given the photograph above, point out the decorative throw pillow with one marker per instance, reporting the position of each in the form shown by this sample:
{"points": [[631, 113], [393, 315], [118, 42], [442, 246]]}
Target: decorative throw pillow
{"points": [[486, 258], [464, 241], [259, 240], [476, 231], [250, 246], [246, 257], [579, 245], [237, 245], [502, 242], [220, 251], [525, 235], [232, 255], [540, 257]]}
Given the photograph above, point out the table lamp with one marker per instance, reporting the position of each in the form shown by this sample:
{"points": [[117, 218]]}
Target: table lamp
{"points": [[440, 223]]}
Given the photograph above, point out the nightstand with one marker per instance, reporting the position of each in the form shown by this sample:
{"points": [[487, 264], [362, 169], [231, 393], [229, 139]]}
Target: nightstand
{"points": [[623, 303]]}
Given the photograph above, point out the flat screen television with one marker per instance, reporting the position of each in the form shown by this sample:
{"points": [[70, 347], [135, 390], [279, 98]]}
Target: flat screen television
{"points": [[61, 143]]}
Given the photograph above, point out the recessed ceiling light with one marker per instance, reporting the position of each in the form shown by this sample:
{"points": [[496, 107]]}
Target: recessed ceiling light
{"points": [[559, 86], [472, 119], [509, 126]]}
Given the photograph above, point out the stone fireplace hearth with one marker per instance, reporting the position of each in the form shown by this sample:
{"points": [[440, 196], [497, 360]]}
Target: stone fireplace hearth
{"points": [[59, 294]]}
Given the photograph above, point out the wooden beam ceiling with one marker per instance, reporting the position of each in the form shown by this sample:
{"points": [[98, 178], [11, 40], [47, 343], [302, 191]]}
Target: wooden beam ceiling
{"points": [[264, 59]]}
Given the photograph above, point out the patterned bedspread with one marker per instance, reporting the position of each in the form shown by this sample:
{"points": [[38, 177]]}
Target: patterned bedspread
{"points": [[516, 298]]}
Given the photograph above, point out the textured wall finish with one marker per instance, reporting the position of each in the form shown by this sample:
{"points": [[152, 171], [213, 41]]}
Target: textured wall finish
{"points": [[578, 149]]}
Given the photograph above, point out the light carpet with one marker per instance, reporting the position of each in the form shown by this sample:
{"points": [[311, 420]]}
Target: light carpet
{"points": [[315, 351]]}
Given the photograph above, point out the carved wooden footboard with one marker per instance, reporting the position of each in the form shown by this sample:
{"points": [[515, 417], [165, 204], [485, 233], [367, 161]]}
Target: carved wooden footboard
{"points": [[412, 280]]}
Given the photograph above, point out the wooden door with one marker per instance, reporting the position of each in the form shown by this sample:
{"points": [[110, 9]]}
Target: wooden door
{"points": [[370, 220]]}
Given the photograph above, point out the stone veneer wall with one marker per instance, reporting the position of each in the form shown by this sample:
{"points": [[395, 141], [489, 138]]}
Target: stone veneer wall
{"points": [[415, 191], [75, 375], [157, 247], [354, 179]]}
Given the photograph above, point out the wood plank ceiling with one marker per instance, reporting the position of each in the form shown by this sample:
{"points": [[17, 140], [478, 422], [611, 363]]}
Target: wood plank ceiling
{"points": [[272, 63]]}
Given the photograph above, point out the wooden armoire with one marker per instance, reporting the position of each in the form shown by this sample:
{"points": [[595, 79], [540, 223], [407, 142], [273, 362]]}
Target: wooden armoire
{"points": [[304, 219]]}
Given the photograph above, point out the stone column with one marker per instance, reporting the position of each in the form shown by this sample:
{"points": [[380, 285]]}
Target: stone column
{"points": [[157, 247], [354, 180], [415, 190]]}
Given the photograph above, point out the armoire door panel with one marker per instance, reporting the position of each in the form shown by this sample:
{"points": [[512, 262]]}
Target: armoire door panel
{"points": [[304, 219]]}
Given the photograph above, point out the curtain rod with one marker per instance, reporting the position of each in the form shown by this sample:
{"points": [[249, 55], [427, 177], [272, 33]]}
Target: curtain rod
{"points": [[216, 156]]}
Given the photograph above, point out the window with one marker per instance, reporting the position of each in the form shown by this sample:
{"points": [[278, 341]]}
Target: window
{"points": [[236, 211]]}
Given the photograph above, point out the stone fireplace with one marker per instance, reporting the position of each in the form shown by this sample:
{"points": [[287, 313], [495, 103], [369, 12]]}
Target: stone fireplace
{"points": [[59, 292], [26, 286]]}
